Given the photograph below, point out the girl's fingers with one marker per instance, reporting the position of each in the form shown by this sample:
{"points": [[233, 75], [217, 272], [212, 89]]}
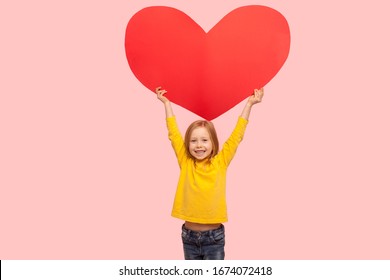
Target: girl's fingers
{"points": [[160, 91]]}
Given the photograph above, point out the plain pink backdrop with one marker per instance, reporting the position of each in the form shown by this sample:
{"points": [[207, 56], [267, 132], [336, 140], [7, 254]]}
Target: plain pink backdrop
{"points": [[87, 171]]}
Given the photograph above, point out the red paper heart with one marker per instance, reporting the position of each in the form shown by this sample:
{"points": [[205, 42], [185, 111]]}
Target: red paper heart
{"points": [[207, 73]]}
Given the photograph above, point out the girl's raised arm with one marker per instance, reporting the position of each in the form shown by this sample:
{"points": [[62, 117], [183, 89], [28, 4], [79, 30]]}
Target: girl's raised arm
{"points": [[167, 104], [252, 100], [230, 146], [173, 130]]}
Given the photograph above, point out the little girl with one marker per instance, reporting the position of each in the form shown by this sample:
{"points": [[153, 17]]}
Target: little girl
{"points": [[201, 191]]}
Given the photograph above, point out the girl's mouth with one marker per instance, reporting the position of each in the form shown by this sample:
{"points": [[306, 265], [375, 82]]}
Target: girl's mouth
{"points": [[199, 152]]}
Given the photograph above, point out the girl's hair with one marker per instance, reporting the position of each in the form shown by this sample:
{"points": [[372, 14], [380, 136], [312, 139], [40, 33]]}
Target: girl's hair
{"points": [[213, 137]]}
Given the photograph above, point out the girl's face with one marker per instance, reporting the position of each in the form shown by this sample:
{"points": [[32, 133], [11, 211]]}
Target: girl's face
{"points": [[200, 143]]}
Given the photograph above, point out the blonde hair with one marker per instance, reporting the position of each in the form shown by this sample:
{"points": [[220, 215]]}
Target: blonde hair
{"points": [[213, 137]]}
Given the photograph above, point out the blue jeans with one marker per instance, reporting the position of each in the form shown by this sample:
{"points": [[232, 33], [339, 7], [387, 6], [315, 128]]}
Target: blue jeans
{"points": [[204, 245]]}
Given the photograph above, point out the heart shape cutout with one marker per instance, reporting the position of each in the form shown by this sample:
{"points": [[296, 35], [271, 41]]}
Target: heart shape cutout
{"points": [[207, 73]]}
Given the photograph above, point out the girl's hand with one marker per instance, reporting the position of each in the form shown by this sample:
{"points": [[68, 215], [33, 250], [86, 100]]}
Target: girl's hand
{"points": [[253, 99], [160, 95], [168, 108], [256, 97]]}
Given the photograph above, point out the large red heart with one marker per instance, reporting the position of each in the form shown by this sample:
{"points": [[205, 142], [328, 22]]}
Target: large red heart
{"points": [[207, 73]]}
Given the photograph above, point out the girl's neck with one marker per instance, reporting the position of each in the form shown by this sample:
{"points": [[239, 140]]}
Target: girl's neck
{"points": [[203, 161]]}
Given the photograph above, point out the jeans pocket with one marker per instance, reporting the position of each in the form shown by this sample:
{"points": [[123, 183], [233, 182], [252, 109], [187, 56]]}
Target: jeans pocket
{"points": [[184, 235], [219, 237]]}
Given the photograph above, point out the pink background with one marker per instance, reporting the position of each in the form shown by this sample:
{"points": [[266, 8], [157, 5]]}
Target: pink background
{"points": [[87, 171]]}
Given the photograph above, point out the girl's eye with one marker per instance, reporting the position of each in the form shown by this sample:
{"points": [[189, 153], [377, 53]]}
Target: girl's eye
{"points": [[193, 141]]}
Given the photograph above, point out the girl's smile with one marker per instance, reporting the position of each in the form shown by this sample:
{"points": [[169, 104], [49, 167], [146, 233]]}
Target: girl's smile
{"points": [[200, 143]]}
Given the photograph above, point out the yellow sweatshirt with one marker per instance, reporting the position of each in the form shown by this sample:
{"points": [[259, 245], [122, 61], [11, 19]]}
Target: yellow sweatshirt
{"points": [[201, 190]]}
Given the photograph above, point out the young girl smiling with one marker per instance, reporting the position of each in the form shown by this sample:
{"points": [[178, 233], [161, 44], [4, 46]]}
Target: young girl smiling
{"points": [[200, 198]]}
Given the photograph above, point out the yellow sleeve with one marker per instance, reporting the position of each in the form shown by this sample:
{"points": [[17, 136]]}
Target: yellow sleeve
{"points": [[230, 147], [176, 139]]}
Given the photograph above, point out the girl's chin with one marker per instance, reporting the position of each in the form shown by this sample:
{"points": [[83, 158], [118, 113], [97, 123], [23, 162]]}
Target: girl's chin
{"points": [[199, 154], [199, 157]]}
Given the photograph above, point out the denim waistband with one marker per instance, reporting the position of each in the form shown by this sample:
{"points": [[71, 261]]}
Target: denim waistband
{"points": [[195, 233]]}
